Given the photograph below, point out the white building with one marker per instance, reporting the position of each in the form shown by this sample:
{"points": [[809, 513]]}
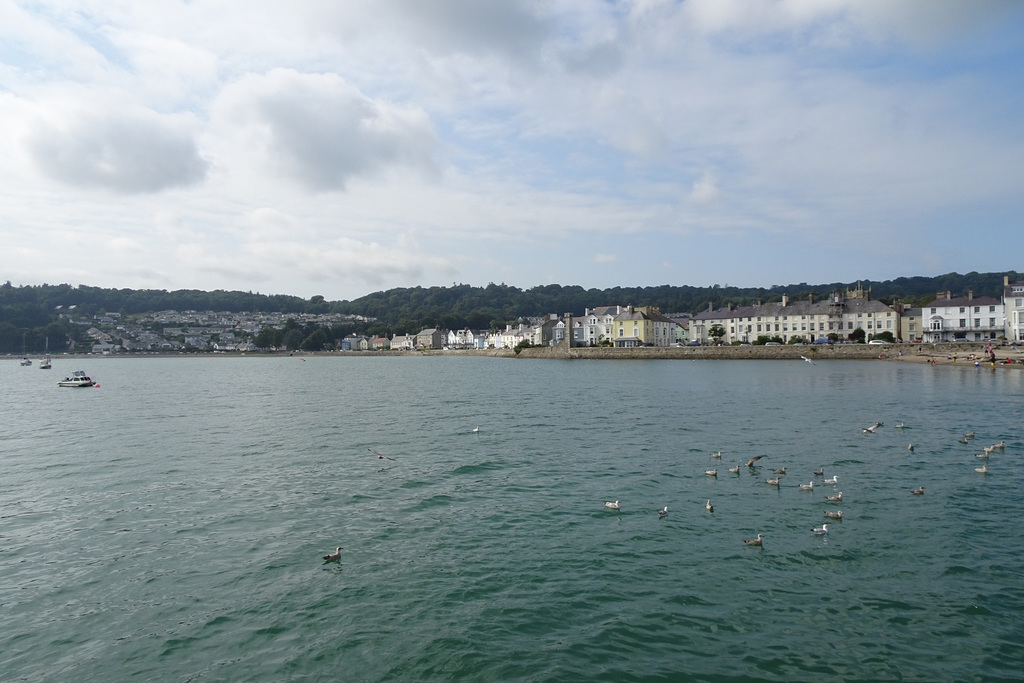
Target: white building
{"points": [[964, 318]]}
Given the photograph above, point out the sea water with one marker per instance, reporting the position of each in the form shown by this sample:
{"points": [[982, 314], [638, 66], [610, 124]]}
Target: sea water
{"points": [[169, 525]]}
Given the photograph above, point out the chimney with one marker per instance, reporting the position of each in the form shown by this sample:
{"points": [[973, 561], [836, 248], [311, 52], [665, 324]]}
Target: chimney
{"points": [[810, 297], [710, 307], [785, 300], [1006, 281], [970, 295]]}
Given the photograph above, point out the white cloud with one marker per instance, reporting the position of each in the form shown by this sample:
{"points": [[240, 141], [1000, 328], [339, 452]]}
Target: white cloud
{"points": [[123, 149], [319, 130]]}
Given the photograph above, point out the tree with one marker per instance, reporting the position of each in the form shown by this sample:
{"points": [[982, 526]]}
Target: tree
{"points": [[857, 335], [885, 335], [716, 332], [316, 341]]}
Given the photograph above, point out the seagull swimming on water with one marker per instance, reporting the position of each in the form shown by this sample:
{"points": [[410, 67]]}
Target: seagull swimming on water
{"points": [[336, 555], [910, 448], [833, 480], [836, 498], [983, 469], [820, 472], [735, 470], [779, 471], [807, 487], [711, 473], [838, 514], [919, 491], [773, 482], [756, 541], [823, 529], [709, 506], [612, 506], [717, 455], [662, 512]]}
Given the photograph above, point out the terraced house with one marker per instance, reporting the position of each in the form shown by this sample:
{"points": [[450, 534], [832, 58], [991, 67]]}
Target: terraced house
{"points": [[642, 326], [809, 320]]}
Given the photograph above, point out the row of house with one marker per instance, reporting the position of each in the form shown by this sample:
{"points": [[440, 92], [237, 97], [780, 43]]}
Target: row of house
{"points": [[945, 319]]}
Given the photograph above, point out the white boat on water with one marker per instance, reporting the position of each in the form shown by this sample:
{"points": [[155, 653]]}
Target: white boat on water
{"points": [[44, 364], [78, 378], [26, 361]]}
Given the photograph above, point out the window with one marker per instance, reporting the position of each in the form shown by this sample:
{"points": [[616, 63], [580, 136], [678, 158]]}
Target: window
{"points": [[933, 310], [977, 309], [991, 322], [977, 322], [991, 309], [963, 321], [888, 324], [962, 309]]}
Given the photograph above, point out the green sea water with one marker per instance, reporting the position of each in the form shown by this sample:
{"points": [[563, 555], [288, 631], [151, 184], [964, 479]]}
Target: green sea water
{"points": [[169, 525]]}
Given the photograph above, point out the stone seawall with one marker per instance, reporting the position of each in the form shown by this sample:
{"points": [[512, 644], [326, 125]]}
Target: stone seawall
{"points": [[909, 352]]}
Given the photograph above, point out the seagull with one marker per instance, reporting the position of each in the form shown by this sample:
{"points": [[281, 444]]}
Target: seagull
{"points": [[756, 541], [336, 555], [717, 455], [900, 425], [968, 435], [808, 360], [988, 449], [869, 430], [782, 471], [380, 456], [711, 473], [983, 469], [735, 470], [963, 441], [807, 487], [476, 429], [773, 482], [662, 512], [612, 506], [833, 480], [709, 506], [919, 491], [820, 472], [838, 514], [910, 447], [1001, 445], [981, 455], [750, 463], [823, 529], [836, 498]]}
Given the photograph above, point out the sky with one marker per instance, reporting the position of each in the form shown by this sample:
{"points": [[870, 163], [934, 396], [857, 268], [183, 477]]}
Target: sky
{"points": [[329, 148]]}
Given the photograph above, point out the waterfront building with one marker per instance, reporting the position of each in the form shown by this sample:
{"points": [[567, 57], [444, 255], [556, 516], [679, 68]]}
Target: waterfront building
{"points": [[1013, 307], [963, 318]]}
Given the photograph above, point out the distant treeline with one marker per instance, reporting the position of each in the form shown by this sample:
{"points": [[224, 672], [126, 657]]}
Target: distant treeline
{"points": [[31, 314]]}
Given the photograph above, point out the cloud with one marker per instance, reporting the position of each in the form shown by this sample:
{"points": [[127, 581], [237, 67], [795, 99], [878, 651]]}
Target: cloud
{"points": [[320, 130], [705, 190], [130, 151]]}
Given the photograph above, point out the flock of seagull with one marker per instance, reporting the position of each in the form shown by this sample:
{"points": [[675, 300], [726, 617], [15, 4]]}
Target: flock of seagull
{"points": [[779, 472], [820, 472], [775, 481]]}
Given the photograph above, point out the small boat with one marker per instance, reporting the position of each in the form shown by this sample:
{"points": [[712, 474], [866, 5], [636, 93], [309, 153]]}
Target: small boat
{"points": [[26, 361], [78, 378], [44, 364]]}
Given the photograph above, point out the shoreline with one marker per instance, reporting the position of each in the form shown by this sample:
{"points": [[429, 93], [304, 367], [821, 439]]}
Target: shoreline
{"points": [[957, 354]]}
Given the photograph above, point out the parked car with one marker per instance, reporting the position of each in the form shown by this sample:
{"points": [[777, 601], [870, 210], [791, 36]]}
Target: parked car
{"points": [[878, 341]]}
